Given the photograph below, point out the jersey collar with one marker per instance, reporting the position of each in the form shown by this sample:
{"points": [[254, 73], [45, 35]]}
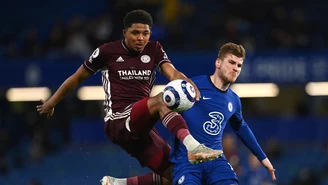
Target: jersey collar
{"points": [[129, 50], [210, 81]]}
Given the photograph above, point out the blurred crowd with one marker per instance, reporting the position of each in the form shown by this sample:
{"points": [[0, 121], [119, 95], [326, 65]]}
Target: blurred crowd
{"points": [[179, 25], [27, 138], [251, 172]]}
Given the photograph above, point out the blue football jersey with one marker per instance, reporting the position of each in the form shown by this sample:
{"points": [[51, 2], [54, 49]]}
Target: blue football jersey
{"points": [[208, 117]]}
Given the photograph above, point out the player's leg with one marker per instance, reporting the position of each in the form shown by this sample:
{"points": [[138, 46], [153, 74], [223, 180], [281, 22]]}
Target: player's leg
{"points": [[189, 179], [145, 111], [219, 172], [149, 149], [185, 173], [146, 179]]}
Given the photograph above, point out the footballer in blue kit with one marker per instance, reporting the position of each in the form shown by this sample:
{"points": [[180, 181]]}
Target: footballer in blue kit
{"points": [[206, 120]]}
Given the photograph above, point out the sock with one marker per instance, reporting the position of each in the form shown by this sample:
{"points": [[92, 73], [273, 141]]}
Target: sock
{"points": [[178, 127], [147, 179], [190, 142], [121, 181]]}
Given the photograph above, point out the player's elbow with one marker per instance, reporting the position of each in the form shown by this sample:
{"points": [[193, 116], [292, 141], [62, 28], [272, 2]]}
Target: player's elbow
{"points": [[236, 125]]}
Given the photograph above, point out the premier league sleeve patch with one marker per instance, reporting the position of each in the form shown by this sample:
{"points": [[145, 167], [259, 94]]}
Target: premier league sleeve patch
{"points": [[94, 55]]}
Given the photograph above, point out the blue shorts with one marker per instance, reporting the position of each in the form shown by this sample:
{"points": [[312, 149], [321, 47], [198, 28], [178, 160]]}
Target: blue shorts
{"points": [[216, 172]]}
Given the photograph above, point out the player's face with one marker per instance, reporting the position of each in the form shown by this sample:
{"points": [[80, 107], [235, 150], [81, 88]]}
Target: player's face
{"points": [[229, 69], [137, 36]]}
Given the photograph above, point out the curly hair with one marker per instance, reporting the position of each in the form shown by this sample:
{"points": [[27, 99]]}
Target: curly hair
{"points": [[137, 16]]}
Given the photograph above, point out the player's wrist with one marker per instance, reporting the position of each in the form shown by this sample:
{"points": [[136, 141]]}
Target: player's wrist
{"points": [[51, 104]]}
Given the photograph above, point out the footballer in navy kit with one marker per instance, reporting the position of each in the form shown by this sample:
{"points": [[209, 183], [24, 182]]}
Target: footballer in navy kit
{"points": [[128, 74], [206, 120]]}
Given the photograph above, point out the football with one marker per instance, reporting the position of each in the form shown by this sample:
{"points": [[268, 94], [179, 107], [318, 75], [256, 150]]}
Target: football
{"points": [[179, 95]]}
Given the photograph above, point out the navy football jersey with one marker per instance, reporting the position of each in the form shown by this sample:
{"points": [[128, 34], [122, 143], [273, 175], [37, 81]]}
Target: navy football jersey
{"points": [[209, 116], [127, 76]]}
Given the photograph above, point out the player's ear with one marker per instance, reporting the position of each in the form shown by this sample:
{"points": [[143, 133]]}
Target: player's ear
{"points": [[218, 63], [124, 32]]}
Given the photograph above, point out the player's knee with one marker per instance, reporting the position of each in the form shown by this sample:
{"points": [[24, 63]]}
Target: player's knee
{"points": [[157, 100], [156, 105]]}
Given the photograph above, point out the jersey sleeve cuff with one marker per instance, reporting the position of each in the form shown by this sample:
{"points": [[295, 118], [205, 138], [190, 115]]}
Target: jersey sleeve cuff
{"points": [[88, 68]]}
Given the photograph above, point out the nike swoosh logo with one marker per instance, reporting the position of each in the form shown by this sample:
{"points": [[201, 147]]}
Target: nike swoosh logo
{"points": [[205, 98]]}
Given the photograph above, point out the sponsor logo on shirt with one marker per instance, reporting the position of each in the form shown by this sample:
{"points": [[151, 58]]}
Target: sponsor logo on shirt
{"points": [[214, 125], [134, 74]]}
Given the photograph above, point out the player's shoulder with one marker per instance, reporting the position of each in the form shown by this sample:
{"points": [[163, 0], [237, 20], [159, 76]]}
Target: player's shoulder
{"points": [[153, 44], [112, 45], [109, 48], [233, 93], [199, 79], [202, 82]]}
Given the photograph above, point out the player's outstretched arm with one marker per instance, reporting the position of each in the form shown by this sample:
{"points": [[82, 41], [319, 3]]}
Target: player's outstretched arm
{"points": [[171, 73], [47, 107], [246, 135], [267, 164]]}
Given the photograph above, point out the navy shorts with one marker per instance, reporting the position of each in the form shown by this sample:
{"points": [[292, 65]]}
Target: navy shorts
{"points": [[218, 172]]}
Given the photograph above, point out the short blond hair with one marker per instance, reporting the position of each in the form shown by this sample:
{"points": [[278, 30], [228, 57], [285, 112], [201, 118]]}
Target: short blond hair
{"points": [[231, 48]]}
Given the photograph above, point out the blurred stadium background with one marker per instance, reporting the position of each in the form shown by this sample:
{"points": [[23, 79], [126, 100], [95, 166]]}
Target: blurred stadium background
{"points": [[43, 42]]}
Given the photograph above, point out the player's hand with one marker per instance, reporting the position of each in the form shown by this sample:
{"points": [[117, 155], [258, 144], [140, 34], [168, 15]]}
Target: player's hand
{"points": [[45, 108], [196, 89], [197, 93], [267, 164]]}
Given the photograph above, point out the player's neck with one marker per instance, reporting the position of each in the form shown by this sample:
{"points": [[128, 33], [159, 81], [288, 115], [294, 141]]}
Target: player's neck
{"points": [[218, 82], [129, 49]]}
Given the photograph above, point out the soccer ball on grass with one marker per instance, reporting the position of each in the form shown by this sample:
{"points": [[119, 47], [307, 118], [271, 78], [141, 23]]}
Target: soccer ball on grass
{"points": [[179, 95]]}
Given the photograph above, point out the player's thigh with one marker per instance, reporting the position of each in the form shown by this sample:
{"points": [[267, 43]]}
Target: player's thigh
{"points": [[142, 146], [188, 179], [219, 170], [186, 173], [141, 120], [156, 153]]}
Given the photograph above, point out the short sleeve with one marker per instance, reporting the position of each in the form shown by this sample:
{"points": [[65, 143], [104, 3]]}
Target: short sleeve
{"points": [[96, 60], [160, 56]]}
